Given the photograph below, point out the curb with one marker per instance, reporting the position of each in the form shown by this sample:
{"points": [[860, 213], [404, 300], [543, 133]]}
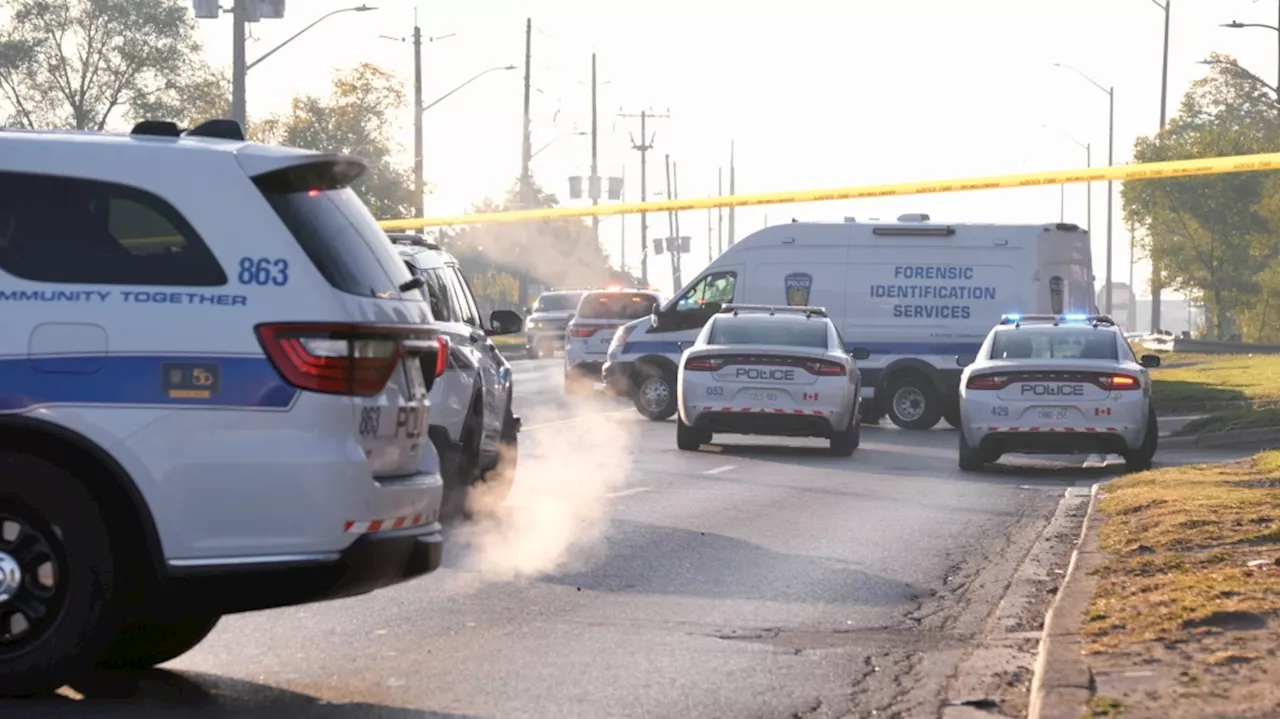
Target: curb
{"points": [[1062, 684], [1261, 438]]}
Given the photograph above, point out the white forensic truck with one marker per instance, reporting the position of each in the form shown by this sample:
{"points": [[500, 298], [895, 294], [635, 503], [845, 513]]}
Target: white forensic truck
{"points": [[917, 295]]}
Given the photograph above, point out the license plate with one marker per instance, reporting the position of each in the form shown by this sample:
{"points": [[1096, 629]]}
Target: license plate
{"points": [[1054, 414], [756, 396]]}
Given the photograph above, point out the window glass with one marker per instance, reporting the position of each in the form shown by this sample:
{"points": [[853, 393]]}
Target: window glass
{"points": [[437, 296], [716, 287], [59, 229], [438, 282], [786, 331], [616, 305], [1054, 343], [470, 313], [557, 302]]}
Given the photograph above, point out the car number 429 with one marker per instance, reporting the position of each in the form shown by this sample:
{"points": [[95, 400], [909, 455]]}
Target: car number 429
{"points": [[1000, 411]]}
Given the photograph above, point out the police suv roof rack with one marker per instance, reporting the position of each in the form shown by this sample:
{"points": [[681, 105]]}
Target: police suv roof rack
{"points": [[774, 309], [405, 238], [1092, 320]]}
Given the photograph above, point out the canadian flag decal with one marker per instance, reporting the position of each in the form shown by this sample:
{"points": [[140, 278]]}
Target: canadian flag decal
{"points": [[810, 396], [1101, 411]]}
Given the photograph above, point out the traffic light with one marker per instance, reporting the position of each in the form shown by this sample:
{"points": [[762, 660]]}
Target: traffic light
{"points": [[575, 187], [615, 188], [658, 243]]}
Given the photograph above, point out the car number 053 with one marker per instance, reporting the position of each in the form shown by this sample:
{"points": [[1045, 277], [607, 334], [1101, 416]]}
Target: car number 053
{"points": [[715, 391]]}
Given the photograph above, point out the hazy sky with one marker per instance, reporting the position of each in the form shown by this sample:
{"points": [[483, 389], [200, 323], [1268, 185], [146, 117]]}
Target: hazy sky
{"points": [[815, 93]]}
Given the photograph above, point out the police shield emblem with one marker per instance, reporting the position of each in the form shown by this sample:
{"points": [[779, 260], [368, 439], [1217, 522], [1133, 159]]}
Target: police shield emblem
{"points": [[798, 285]]}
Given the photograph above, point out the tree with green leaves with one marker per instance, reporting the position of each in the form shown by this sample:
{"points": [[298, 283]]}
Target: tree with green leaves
{"points": [[76, 63], [1211, 235], [355, 118]]}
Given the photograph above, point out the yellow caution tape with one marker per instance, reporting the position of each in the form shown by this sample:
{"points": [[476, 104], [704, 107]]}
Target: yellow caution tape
{"points": [[1148, 171]]}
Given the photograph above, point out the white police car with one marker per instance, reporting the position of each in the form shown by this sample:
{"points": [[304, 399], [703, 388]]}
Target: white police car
{"points": [[472, 422], [212, 396], [592, 329], [780, 371], [1056, 384]]}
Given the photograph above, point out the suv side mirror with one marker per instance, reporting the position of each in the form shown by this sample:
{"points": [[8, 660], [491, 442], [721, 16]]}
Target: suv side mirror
{"points": [[860, 353], [505, 322], [1150, 361], [965, 360]]}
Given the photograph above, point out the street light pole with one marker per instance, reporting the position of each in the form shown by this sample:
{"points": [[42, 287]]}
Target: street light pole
{"points": [[1111, 146], [1157, 281], [419, 176]]}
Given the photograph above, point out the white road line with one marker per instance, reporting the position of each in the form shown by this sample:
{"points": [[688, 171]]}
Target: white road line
{"points": [[718, 470], [626, 492]]}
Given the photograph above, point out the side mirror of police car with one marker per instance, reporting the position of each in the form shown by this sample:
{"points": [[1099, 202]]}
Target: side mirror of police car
{"points": [[860, 353], [1150, 361], [505, 322], [965, 360]]}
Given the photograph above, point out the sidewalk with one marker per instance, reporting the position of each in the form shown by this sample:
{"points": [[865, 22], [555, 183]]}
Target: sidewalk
{"points": [[1171, 607]]}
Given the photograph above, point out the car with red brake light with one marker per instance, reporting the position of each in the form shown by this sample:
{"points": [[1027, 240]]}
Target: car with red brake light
{"points": [[1056, 384], [766, 370], [599, 315]]}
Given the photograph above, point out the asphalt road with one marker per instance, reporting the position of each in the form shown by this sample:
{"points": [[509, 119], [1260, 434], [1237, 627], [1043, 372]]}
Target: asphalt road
{"points": [[627, 579]]}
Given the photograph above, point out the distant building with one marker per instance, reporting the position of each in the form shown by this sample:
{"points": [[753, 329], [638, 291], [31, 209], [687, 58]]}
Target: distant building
{"points": [[1176, 315]]}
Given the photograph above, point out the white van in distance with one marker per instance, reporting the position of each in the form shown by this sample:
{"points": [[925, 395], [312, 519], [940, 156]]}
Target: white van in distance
{"points": [[915, 294]]}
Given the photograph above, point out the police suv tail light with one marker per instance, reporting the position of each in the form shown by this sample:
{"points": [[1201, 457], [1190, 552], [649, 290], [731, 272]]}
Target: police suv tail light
{"points": [[343, 359], [581, 332], [442, 355], [825, 369], [987, 381], [1116, 382], [704, 364]]}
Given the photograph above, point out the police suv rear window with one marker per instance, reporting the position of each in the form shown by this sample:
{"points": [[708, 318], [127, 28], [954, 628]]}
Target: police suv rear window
{"points": [[335, 229], [788, 332], [1042, 343], [616, 305]]}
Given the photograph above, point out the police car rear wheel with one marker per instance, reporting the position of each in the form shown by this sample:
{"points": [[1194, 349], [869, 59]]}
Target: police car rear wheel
{"points": [[690, 439], [655, 394], [844, 443], [971, 459], [61, 591], [1141, 459], [913, 403], [144, 644]]}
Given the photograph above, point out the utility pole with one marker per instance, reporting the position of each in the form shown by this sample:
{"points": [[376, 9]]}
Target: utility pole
{"points": [[622, 219], [239, 20], [526, 156], [593, 184], [710, 235], [419, 180], [644, 146], [677, 256], [732, 187], [719, 211], [1157, 281]]}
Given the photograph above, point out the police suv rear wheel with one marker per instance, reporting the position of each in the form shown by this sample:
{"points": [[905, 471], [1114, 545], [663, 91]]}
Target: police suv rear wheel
{"points": [[655, 396], [62, 592], [914, 403], [690, 439], [145, 643]]}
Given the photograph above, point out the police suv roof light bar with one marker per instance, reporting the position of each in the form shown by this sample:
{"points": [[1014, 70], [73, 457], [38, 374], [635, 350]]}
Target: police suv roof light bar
{"points": [[774, 309], [1094, 320]]}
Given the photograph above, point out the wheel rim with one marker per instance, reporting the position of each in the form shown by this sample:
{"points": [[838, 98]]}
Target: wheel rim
{"points": [[908, 404], [32, 591], [654, 394]]}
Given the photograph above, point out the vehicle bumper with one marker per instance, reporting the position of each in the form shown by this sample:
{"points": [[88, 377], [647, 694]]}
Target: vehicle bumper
{"points": [[1108, 439], [617, 378], [764, 423]]}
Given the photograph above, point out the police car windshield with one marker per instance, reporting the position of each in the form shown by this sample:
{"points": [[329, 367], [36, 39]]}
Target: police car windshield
{"points": [[1042, 343], [557, 303], [788, 331], [616, 306]]}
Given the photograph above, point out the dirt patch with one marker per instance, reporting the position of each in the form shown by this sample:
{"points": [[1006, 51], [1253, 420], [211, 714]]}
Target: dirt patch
{"points": [[1185, 618]]}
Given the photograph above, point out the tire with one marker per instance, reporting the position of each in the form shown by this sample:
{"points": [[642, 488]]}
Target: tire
{"points": [[1141, 459], [149, 642], [655, 393], [464, 471], [913, 402], [690, 439], [495, 486], [952, 415], [57, 523], [843, 443], [971, 460]]}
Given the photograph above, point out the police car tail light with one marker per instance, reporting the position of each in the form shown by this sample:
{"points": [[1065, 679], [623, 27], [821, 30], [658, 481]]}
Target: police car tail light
{"points": [[704, 364], [582, 331], [442, 355], [1118, 382], [988, 381], [824, 369], [332, 359]]}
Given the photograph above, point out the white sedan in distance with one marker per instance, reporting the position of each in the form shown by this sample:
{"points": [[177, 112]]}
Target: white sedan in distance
{"points": [[1056, 384], [764, 370]]}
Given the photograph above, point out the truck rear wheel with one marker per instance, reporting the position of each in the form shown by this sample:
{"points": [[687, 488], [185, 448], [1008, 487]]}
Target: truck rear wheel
{"points": [[913, 402], [62, 592], [655, 395]]}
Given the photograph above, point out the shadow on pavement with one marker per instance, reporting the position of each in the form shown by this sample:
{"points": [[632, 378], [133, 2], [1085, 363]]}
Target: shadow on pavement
{"points": [[645, 558], [160, 694]]}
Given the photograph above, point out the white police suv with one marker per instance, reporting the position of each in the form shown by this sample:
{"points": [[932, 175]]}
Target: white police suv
{"points": [[545, 326], [472, 422], [594, 324], [1056, 384], [212, 394], [782, 371]]}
